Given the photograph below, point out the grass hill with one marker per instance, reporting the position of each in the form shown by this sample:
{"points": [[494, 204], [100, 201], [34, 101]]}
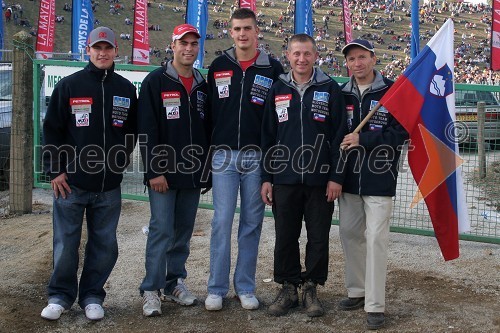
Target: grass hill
{"points": [[167, 19]]}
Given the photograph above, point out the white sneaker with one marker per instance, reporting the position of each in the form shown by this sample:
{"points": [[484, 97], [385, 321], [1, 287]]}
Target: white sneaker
{"points": [[151, 304], [249, 301], [53, 311], [213, 302], [94, 312], [181, 294]]}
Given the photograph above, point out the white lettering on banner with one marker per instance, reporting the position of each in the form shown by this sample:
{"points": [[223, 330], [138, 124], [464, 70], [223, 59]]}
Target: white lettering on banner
{"points": [[44, 35], [83, 29], [140, 22]]}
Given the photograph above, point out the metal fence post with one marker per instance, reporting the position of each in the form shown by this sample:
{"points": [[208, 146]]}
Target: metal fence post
{"points": [[21, 146], [481, 149]]}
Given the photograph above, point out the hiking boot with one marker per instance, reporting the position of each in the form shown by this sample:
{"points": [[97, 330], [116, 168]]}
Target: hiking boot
{"points": [[52, 311], [151, 304], [94, 312], [375, 320], [352, 303], [310, 300], [181, 295], [286, 299]]}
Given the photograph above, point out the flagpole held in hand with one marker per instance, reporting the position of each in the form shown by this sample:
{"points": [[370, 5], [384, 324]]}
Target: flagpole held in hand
{"points": [[364, 121]]}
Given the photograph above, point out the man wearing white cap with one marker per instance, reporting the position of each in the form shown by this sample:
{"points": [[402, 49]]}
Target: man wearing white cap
{"points": [[371, 170], [174, 119], [89, 134]]}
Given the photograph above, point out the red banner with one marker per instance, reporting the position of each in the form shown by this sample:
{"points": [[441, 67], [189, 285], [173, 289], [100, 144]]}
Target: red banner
{"points": [[347, 22], [250, 4], [140, 43], [495, 36], [347, 25], [46, 29]]}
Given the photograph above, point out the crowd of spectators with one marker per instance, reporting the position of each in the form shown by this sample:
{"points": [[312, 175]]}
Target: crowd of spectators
{"points": [[376, 20]]}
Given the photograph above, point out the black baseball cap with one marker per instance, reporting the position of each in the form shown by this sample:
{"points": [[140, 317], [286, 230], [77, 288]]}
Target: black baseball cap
{"points": [[363, 43]]}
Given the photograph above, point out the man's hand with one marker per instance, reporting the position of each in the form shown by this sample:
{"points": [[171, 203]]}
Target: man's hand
{"points": [[60, 185], [351, 140], [266, 192], [333, 191], [159, 184]]}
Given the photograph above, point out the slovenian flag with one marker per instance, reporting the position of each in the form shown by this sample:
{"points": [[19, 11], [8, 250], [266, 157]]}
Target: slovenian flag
{"points": [[423, 101]]}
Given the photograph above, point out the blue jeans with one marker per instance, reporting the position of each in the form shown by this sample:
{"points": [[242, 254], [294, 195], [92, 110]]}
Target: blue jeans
{"points": [[102, 210], [170, 229], [234, 170]]}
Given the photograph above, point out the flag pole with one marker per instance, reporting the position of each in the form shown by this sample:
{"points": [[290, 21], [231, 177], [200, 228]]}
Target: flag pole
{"points": [[364, 121], [367, 118]]}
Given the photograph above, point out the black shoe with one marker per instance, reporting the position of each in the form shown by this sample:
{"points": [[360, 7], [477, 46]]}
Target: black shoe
{"points": [[286, 299], [375, 320], [352, 303], [310, 300]]}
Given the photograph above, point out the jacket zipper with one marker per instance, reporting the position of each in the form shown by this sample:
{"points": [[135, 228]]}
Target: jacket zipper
{"points": [[302, 138], [190, 132], [239, 112], [104, 124], [360, 100]]}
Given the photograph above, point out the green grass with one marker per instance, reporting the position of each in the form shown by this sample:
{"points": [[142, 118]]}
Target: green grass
{"points": [[168, 19]]}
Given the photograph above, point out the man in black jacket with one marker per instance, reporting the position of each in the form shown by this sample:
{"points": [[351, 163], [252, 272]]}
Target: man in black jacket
{"points": [[371, 168], [174, 120], [238, 83], [89, 134], [304, 122]]}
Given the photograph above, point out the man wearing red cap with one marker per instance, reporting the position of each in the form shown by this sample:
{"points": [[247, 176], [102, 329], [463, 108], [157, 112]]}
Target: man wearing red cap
{"points": [[93, 113], [174, 121]]}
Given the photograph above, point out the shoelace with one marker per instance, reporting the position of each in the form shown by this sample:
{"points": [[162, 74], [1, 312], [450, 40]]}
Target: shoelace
{"points": [[149, 297], [91, 307], [309, 295], [179, 289], [285, 292]]}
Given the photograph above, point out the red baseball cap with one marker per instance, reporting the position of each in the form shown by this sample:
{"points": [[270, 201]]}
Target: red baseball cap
{"points": [[182, 29]]}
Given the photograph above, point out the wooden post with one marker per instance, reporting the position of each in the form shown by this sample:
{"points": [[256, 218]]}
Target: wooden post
{"points": [[481, 149], [21, 142]]}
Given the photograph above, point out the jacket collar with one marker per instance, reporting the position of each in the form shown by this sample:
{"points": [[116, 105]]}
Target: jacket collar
{"points": [[261, 61], [378, 83], [99, 73], [171, 72], [318, 77]]}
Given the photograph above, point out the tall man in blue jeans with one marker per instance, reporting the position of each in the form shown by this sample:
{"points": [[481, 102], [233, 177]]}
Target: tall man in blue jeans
{"points": [[174, 118], [89, 133], [238, 83]]}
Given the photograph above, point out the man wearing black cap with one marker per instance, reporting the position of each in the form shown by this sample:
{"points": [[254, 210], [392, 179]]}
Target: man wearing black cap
{"points": [[370, 163], [89, 133], [174, 119]]}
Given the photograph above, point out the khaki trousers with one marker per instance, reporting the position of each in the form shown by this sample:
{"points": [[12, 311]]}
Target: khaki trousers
{"points": [[364, 233]]}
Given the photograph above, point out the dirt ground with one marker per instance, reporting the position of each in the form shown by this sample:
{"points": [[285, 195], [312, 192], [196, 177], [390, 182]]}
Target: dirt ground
{"points": [[424, 293]]}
